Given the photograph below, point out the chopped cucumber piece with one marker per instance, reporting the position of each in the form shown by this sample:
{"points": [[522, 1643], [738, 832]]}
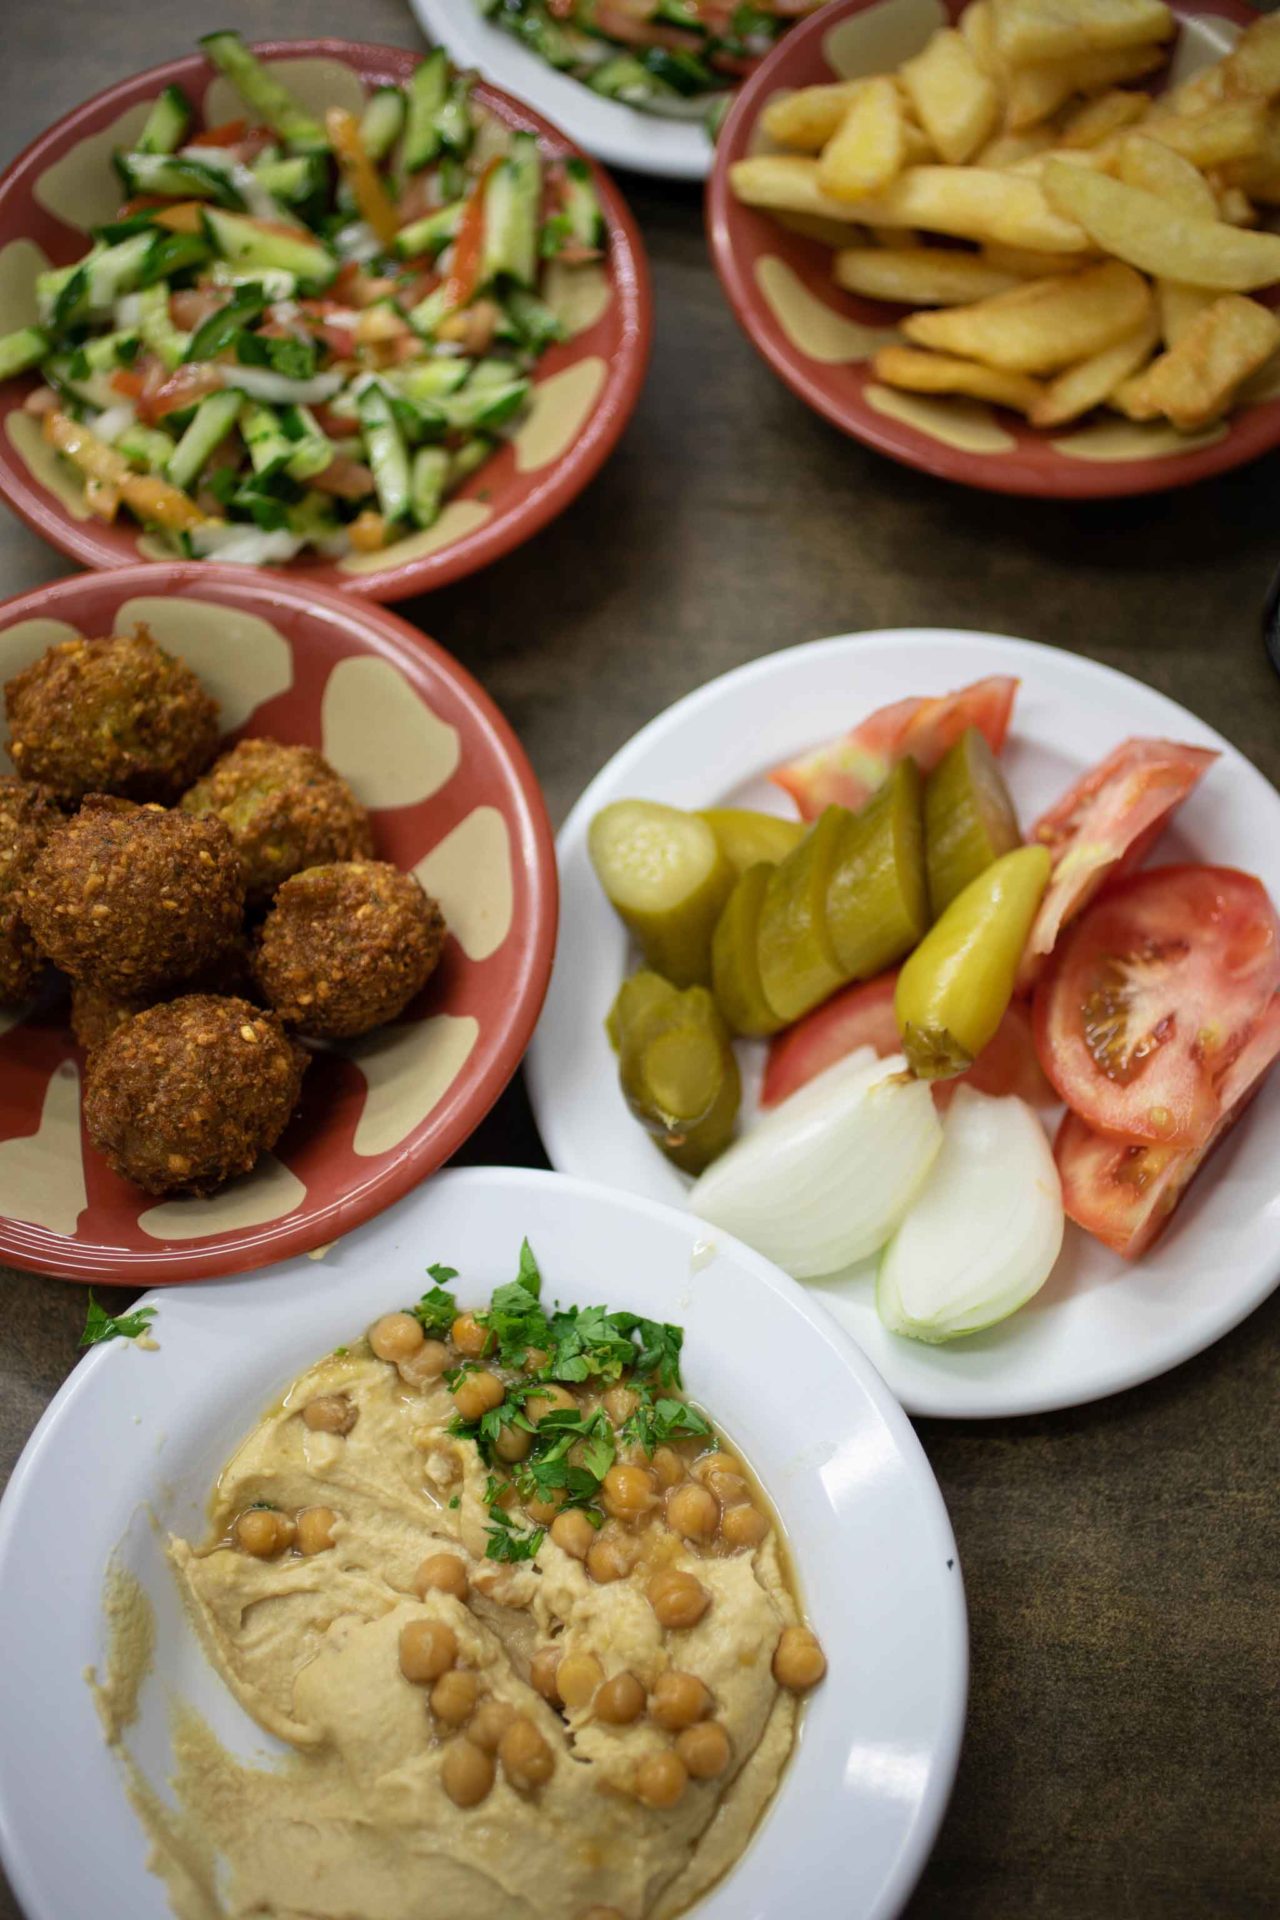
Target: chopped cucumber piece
{"points": [[214, 419], [388, 455], [468, 459], [178, 177], [116, 271], [428, 379], [431, 234], [679, 72], [427, 315], [270, 447], [295, 178], [485, 407], [111, 350], [535, 323], [581, 218], [454, 123], [25, 348], [71, 375], [427, 91], [148, 448], [276, 284], [382, 122], [271, 101], [157, 329], [216, 333], [248, 244], [171, 254], [167, 123], [512, 199], [311, 448], [624, 79], [427, 486]]}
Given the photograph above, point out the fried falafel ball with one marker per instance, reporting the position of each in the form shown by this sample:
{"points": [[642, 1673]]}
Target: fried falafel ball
{"points": [[118, 715], [134, 899], [96, 1011], [285, 808], [28, 816], [346, 947], [188, 1094]]}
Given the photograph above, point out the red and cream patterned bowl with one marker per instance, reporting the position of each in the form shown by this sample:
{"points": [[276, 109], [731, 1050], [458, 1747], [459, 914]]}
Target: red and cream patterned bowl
{"points": [[586, 386], [452, 797], [820, 339]]}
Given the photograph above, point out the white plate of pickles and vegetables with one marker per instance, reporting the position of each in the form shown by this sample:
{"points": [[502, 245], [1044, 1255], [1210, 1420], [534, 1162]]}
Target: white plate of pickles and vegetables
{"points": [[939, 967], [359, 1674]]}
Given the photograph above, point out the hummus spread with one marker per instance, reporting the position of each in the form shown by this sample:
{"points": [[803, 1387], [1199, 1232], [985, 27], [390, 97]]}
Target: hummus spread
{"points": [[587, 1726]]}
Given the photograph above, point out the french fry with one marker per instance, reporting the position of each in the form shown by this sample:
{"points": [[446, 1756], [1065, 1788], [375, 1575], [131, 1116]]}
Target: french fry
{"points": [[1130, 398], [1253, 67], [1042, 325], [1236, 208], [1033, 93], [1148, 233], [1091, 382], [1025, 265], [1194, 382], [784, 183], [1235, 130], [807, 118], [1099, 118], [1032, 30], [979, 32], [867, 151], [1007, 149], [943, 373], [1207, 88], [972, 203], [957, 104], [1178, 305], [1156, 168], [1259, 176], [918, 276], [1104, 157]]}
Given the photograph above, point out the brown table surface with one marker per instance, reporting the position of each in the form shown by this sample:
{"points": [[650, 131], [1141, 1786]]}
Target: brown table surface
{"points": [[1122, 1562]]}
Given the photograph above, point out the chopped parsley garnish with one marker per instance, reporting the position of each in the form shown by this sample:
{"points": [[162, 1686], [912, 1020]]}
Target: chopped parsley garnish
{"points": [[437, 1310], [101, 1325], [657, 1422], [507, 1541]]}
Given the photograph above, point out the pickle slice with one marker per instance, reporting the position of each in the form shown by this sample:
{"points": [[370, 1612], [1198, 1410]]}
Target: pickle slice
{"points": [[799, 967], [667, 880], [877, 901], [969, 818], [746, 836], [735, 959], [677, 1067]]}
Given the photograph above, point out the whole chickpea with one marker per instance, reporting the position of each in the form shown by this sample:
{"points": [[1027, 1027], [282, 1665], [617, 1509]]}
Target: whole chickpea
{"points": [[330, 1413], [543, 1669], [723, 1476], [579, 1675], [315, 1529], [798, 1661], [467, 1773], [543, 1512], [264, 1533], [454, 1696], [488, 1724], [527, 1760], [573, 1533], [620, 1403], [661, 1779], [428, 1648], [668, 1466], [469, 1337], [679, 1700], [426, 1365], [677, 1598], [629, 1492], [545, 1398], [535, 1359], [477, 1394], [620, 1700], [611, 1556], [692, 1512], [512, 1445], [704, 1750], [396, 1336], [743, 1526], [442, 1573]]}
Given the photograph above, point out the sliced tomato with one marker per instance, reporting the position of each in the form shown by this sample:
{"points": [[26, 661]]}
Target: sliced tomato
{"points": [[347, 479], [863, 1016], [228, 134], [1123, 1193], [847, 771], [182, 388], [190, 307], [129, 381], [468, 246], [1153, 996], [1105, 827]]}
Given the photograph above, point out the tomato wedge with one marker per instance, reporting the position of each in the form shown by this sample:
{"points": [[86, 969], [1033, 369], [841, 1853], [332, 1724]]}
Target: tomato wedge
{"points": [[847, 771], [863, 1016], [1104, 827], [1123, 1193], [1153, 996]]}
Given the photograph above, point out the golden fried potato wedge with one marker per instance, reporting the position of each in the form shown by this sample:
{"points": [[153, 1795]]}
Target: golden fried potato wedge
{"points": [[867, 151], [973, 203], [917, 372], [1236, 208], [1194, 382], [1236, 130], [1208, 88], [979, 32], [1148, 233], [1253, 66], [1090, 383], [784, 183], [1178, 305], [1099, 118], [1026, 265], [918, 276], [1033, 93], [1042, 325], [1157, 168], [955, 101], [1259, 176], [1029, 30], [807, 118], [1007, 149]]}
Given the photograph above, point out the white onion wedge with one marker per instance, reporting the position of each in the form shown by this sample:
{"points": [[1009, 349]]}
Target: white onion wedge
{"points": [[825, 1178], [984, 1233]]}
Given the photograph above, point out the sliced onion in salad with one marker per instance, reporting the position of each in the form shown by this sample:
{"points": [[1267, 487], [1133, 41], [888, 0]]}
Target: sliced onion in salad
{"points": [[260, 383], [984, 1233], [825, 1178], [245, 546]]}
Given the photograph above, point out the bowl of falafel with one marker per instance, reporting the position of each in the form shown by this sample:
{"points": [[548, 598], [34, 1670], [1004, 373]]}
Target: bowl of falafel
{"points": [[277, 912]]}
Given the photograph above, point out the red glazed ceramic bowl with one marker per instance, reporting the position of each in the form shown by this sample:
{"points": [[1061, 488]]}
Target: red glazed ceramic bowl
{"points": [[451, 795], [585, 387], [816, 336]]}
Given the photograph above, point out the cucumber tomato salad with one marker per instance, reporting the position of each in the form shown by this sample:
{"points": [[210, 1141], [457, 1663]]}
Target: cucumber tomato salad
{"points": [[932, 982], [303, 332]]}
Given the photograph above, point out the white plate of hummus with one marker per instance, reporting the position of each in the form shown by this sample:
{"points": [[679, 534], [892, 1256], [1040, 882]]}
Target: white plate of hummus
{"points": [[333, 1599]]}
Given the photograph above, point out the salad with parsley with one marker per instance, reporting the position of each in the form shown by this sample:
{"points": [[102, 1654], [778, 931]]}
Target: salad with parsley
{"points": [[299, 332]]}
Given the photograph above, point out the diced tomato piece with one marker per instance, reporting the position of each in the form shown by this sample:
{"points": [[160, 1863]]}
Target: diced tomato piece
{"points": [[863, 1016], [130, 382], [1124, 1193], [226, 134], [468, 246], [1105, 827], [847, 771], [140, 203], [348, 479], [168, 394], [1153, 996], [190, 307]]}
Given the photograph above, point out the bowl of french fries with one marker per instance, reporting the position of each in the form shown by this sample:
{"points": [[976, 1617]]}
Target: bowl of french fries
{"points": [[1031, 245]]}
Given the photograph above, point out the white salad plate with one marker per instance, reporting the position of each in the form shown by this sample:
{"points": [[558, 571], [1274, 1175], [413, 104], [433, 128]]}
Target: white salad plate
{"points": [[1101, 1323], [130, 1447], [621, 136]]}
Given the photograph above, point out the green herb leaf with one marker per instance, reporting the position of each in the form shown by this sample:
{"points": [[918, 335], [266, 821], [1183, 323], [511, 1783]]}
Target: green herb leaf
{"points": [[504, 1544], [442, 1275], [437, 1310], [100, 1325]]}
